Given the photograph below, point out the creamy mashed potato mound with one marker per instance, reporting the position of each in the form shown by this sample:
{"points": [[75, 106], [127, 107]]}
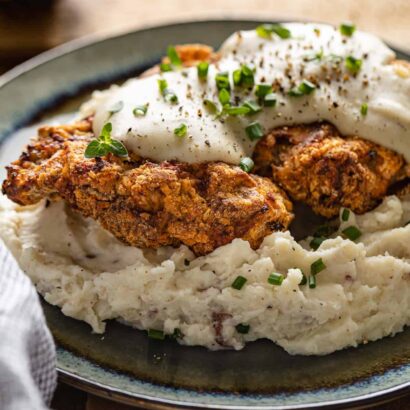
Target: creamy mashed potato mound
{"points": [[362, 295]]}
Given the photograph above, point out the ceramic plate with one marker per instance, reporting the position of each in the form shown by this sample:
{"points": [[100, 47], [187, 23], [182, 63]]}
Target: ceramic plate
{"points": [[124, 364]]}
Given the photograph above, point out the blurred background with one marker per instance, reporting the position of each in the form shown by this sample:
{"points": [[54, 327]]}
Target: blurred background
{"points": [[29, 27]]}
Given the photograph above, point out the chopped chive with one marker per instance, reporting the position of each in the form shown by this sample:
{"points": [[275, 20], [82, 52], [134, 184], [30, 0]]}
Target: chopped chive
{"points": [[247, 76], [352, 233], [304, 280], [363, 109], [253, 106], [312, 281], [222, 81], [276, 279], [353, 64], [117, 107], [347, 29], [254, 131], [156, 334], [317, 266], [316, 242], [165, 67], [243, 329], [237, 77], [173, 56], [211, 106], [239, 282], [269, 100], [304, 88], [266, 31], [224, 96], [202, 69], [170, 96], [162, 85], [345, 214], [140, 110], [181, 130], [261, 90], [242, 110], [246, 164]]}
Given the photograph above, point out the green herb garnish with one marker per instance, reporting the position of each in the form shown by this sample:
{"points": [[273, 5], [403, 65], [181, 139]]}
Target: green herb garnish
{"points": [[276, 279], [352, 233], [202, 69], [211, 106], [243, 329], [104, 144], [140, 110], [312, 281], [353, 64], [246, 164], [304, 280], [156, 334], [173, 56], [317, 266], [316, 242], [304, 88], [224, 96], [232, 110], [222, 81], [347, 29], [261, 90], [181, 130], [254, 131], [168, 94], [239, 282], [345, 214], [165, 67], [243, 77], [266, 31], [269, 100], [363, 109], [253, 106]]}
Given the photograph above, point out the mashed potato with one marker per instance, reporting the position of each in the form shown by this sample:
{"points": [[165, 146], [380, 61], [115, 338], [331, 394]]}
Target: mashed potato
{"points": [[362, 295]]}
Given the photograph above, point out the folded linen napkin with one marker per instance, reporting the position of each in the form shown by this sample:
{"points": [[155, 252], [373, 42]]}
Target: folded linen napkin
{"points": [[27, 352]]}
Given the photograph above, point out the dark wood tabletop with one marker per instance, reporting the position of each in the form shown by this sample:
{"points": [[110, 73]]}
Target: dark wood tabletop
{"points": [[28, 27]]}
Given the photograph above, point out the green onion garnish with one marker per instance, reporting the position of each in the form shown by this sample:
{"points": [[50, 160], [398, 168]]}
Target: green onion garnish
{"points": [[165, 67], [170, 96], [276, 279], [140, 110], [237, 77], [317, 266], [162, 85], [253, 106], [224, 96], [262, 89], [246, 164], [231, 110], [304, 280], [254, 131], [269, 100], [156, 334], [316, 242], [304, 88], [353, 64], [118, 106], [266, 31], [173, 56], [312, 281], [243, 329], [363, 109], [345, 214], [243, 77], [352, 233], [222, 81], [181, 130], [239, 282], [202, 69], [347, 29]]}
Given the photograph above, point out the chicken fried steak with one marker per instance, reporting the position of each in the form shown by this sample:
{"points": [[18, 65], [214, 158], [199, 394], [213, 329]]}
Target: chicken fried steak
{"points": [[146, 204], [314, 164]]}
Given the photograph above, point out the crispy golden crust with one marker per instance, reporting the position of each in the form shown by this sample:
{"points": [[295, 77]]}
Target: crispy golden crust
{"points": [[146, 204], [315, 165]]}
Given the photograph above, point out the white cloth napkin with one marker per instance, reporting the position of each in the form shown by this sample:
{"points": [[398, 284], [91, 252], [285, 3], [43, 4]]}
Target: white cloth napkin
{"points": [[27, 353]]}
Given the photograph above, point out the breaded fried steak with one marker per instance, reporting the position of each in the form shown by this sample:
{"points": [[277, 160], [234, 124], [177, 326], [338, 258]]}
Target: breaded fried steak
{"points": [[147, 204], [316, 165]]}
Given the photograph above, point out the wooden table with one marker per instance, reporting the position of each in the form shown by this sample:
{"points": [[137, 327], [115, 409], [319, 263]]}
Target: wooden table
{"points": [[28, 27]]}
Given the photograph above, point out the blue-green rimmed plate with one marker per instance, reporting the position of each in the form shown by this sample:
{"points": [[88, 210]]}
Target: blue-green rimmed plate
{"points": [[124, 364]]}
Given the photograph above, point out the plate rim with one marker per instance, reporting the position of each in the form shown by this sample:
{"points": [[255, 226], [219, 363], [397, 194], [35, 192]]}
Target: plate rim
{"points": [[152, 402]]}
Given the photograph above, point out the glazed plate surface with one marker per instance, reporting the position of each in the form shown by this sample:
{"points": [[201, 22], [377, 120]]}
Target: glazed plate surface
{"points": [[123, 363]]}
